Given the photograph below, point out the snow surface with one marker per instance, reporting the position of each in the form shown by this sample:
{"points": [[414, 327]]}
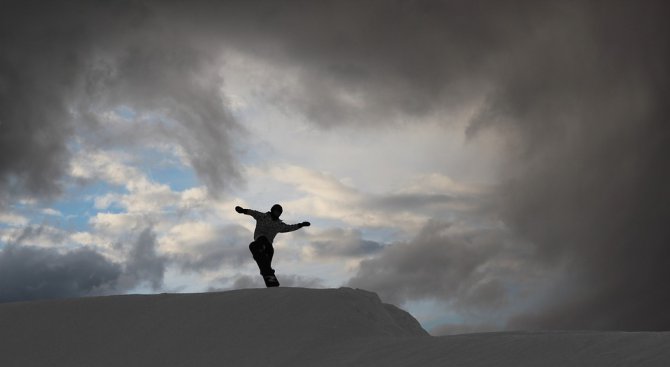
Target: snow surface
{"points": [[285, 327]]}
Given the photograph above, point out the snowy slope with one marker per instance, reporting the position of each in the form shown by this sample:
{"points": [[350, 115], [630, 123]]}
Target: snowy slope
{"points": [[284, 327]]}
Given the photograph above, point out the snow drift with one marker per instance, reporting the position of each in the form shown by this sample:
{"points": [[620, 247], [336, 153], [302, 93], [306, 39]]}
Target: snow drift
{"points": [[283, 327]]}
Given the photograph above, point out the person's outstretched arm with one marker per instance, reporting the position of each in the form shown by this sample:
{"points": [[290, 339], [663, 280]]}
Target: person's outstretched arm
{"points": [[293, 227], [251, 212]]}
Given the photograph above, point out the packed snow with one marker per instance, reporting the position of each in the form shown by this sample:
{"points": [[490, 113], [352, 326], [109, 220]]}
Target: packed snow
{"points": [[285, 327]]}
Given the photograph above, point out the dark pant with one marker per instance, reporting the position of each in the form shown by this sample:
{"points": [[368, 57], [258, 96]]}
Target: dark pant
{"points": [[263, 251]]}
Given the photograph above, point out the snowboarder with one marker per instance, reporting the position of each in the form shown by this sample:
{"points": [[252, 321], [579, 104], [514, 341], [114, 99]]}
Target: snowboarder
{"points": [[267, 227]]}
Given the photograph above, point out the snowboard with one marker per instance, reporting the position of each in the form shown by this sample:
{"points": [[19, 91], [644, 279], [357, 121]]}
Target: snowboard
{"points": [[270, 281]]}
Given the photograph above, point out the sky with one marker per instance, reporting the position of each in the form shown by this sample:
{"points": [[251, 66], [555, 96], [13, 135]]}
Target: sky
{"points": [[484, 165]]}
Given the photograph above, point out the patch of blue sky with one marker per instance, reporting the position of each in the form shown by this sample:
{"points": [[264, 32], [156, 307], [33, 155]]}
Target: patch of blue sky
{"points": [[130, 116], [165, 168], [73, 208], [178, 178], [4, 225], [77, 205]]}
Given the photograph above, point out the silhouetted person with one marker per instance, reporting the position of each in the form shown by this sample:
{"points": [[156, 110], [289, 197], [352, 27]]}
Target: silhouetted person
{"points": [[267, 227]]}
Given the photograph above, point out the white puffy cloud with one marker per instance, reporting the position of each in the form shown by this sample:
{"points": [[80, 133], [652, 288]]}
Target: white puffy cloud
{"points": [[13, 219], [52, 212], [107, 166], [36, 235]]}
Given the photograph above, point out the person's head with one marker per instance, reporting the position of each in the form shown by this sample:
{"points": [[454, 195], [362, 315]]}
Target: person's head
{"points": [[276, 210]]}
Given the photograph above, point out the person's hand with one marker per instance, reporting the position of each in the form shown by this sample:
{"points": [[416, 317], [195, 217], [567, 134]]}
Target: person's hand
{"points": [[305, 224], [239, 209]]}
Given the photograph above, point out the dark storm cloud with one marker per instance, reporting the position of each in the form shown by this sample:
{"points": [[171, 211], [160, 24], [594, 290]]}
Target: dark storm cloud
{"points": [[61, 64], [34, 121], [372, 62], [31, 273], [589, 183]]}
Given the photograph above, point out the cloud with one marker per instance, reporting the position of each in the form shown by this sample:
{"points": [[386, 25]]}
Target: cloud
{"points": [[479, 273], [33, 111], [13, 219], [340, 243], [52, 212], [340, 81], [587, 183], [37, 235], [326, 196], [143, 263], [30, 273], [119, 224], [202, 247], [152, 227], [63, 67]]}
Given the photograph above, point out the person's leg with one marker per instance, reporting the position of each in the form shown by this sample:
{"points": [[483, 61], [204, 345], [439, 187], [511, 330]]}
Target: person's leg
{"points": [[257, 252], [267, 271], [270, 252], [262, 251]]}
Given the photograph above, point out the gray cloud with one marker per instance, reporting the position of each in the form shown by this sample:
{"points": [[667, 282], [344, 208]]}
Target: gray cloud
{"points": [[470, 269], [342, 243], [143, 263], [33, 113], [228, 248], [31, 232], [410, 201], [30, 273], [588, 184]]}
